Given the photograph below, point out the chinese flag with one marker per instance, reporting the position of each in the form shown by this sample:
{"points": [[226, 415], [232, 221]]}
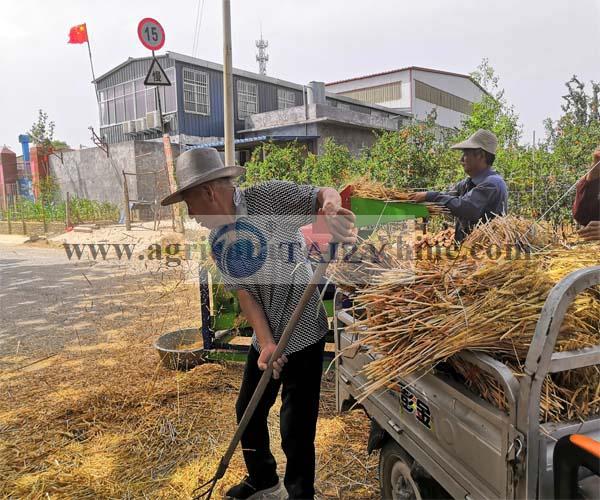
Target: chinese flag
{"points": [[78, 34]]}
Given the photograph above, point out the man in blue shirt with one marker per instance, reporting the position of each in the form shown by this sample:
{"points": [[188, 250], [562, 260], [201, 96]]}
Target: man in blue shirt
{"points": [[483, 195]]}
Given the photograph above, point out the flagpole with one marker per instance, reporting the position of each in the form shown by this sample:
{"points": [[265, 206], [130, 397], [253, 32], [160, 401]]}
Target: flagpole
{"points": [[87, 36]]}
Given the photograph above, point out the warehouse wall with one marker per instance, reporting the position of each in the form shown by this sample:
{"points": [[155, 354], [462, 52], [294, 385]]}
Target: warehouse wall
{"points": [[402, 77]]}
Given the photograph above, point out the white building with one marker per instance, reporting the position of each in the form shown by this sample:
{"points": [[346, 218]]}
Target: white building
{"points": [[417, 91]]}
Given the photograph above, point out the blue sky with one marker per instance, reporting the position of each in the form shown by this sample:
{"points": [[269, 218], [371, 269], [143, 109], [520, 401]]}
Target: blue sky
{"points": [[534, 45]]}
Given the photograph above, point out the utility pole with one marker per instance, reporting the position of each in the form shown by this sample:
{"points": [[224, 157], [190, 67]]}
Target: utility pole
{"points": [[228, 85]]}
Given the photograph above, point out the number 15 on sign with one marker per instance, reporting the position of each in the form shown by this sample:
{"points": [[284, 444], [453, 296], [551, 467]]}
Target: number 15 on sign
{"points": [[151, 34]]}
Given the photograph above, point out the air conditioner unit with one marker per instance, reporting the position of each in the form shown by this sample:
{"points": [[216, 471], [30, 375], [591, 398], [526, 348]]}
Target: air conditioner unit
{"points": [[153, 119], [129, 127], [140, 124]]}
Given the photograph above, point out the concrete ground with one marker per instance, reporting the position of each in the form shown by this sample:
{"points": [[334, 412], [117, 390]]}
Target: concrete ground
{"points": [[48, 301], [39, 287]]}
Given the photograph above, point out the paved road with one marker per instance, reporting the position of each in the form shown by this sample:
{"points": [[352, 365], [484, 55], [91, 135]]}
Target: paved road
{"points": [[41, 298], [47, 301]]}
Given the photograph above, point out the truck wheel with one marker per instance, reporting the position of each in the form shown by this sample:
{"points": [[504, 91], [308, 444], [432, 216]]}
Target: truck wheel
{"points": [[395, 473]]}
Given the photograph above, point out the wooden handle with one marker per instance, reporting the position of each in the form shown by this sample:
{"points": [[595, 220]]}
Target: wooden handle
{"points": [[266, 376]]}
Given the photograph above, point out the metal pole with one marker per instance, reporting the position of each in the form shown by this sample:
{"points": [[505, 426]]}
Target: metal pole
{"points": [[93, 74], [159, 105], [228, 85], [90, 54]]}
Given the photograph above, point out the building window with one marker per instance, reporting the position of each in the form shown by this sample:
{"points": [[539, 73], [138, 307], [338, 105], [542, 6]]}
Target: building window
{"points": [[247, 97], [285, 99], [196, 95], [130, 100], [440, 98]]}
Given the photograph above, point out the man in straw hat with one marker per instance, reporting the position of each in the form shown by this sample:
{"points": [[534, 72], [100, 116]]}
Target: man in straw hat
{"points": [[482, 195], [268, 292]]}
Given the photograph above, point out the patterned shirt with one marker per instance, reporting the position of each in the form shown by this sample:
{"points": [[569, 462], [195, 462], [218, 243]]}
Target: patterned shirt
{"points": [[481, 197], [273, 213]]}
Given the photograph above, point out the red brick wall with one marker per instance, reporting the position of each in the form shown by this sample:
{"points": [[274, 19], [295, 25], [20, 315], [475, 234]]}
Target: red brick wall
{"points": [[8, 167]]}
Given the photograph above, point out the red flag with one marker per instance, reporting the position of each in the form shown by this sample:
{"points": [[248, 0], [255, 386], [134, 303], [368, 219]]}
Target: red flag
{"points": [[78, 34]]}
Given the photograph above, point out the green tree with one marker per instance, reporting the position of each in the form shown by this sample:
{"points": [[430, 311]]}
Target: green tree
{"points": [[57, 145], [42, 133], [271, 161], [492, 112], [574, 136], [411, 157], [334, 167]]}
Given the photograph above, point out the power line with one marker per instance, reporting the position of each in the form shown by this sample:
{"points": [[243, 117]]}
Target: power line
{"points": [[195, 27], [199, 16]]}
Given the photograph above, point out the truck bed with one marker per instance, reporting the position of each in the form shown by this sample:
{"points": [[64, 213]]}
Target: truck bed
{"points": [[457, 437]]}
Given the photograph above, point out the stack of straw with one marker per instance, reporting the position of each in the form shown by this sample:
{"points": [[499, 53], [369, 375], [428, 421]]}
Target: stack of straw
{"points": [[443, 238], [514, 231], [412, 322]]}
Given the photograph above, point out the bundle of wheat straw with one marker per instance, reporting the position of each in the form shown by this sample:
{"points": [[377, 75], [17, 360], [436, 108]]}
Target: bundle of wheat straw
{"points": [[512, 230], [361, 268], [443, 238], [411, 323], [567, 395]]}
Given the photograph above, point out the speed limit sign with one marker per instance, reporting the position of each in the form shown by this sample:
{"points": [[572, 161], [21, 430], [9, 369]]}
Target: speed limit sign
{"points": [[151, 33]]}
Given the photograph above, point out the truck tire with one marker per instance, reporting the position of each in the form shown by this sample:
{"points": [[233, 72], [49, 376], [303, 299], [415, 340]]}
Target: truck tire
{"points": [[395, 473]]}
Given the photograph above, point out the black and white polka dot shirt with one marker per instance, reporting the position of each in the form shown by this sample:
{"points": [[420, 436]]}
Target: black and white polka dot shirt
{"points": [[270, 216]]}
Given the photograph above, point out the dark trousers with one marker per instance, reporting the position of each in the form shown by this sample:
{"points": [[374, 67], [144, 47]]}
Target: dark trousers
{"points": [[301, 385]]}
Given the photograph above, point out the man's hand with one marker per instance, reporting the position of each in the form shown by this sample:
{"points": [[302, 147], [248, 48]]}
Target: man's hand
{"points": [[591, 232], [340, 222], [417, 197], [265, 355]]}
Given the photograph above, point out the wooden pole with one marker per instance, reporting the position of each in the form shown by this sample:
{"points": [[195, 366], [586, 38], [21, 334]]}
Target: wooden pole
{"points": [[23, 221], [228, 85], [68, 210], [127, 214], [44, 221], [170, 166]]}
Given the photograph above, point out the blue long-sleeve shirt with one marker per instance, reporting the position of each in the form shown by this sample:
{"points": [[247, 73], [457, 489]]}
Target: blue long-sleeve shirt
{"points": [[481, 197]]}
